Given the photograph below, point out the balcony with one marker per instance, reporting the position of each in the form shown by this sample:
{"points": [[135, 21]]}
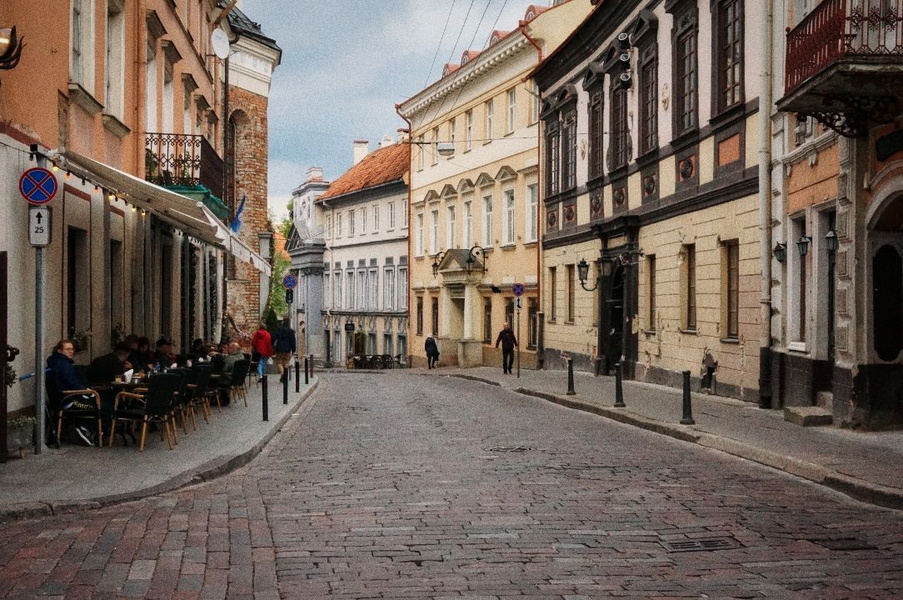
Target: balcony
{"points": [[845, 64], [173, 159]]}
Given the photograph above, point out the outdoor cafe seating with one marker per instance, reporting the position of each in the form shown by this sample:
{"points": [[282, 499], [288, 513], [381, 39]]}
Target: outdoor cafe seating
{"points": [[154, 405], [72, 406]]}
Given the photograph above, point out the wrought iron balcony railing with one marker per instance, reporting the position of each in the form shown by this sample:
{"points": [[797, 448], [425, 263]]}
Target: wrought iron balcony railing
{"points": [[179, 159], [839, 29]]}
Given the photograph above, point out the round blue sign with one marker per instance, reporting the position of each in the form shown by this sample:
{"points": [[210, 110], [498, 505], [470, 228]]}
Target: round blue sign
{"points": [[289, 281], [38, 185], [517, 289]]}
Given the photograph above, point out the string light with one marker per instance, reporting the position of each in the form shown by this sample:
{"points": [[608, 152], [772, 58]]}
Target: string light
{"points": [[55, 167], [68, 175]]}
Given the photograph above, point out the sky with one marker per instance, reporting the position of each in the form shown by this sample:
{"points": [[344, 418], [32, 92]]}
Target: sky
{"points": [[347, 63]]}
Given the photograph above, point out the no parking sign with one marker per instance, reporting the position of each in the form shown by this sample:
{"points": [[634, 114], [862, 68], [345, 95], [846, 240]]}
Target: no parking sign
{"points": [[38, 185]]}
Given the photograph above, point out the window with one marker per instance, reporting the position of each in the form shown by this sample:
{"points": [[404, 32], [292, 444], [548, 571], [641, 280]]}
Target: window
{"points": [[434, 231], [569, 151], [534, 104], [729, 53], [552, 158], [363, 288], [451, 230], [349, 290], [689, 287], [329, 232], [685, 72], [732, 289], [650, 291], [337, 290], [434, 146], [453, 130], [531, 223], [391, 216], [419, 245], [487, 221], [596, 130], [553, 293], [373, 289], [404, 215], [150, 68], [402, 288], [419, 143], [351, 223], [509, 314], [434, 302], [489, 116], [532, 323], [648, 99], [468, 224], [570, 290], [487, 320], [468, 125], [512, 110], [389, 288], [327, 291], [338, 222], [619, 133], [419, 315], [798, 328], [375, 218], [115, 51], [83, 44], [508, 224], [363, 220]]}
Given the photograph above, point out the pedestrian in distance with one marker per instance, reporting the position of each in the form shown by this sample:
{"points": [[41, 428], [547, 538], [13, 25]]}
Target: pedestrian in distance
{"points": [[262, 346], [432, 352], [285, 346], [509, 343]]}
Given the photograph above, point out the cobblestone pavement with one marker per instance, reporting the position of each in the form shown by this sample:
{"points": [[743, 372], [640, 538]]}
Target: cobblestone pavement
{"points": [[400, 485]]}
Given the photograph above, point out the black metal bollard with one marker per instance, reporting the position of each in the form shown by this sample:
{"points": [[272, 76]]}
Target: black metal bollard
{"points": [[306, 379], [571, 391], [619, 387], [298, 376], [265, 399], [285, 386], [688, 405]]}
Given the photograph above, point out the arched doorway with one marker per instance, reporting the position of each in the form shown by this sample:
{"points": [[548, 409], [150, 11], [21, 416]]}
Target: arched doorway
{"points": [[616, 315]]}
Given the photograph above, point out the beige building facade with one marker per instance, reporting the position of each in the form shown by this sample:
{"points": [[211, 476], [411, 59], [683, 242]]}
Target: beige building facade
{"points": [[474, 231]]}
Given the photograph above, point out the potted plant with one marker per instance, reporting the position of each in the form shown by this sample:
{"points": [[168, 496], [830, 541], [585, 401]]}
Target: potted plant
{"points": [[19, 435]]}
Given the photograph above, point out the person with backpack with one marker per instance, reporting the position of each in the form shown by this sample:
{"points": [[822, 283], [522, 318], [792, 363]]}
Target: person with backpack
{"points": [[285, 346]]}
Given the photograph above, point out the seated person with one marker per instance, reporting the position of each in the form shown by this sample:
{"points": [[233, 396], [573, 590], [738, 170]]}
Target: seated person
{"points": [[227, 362], [61, 366], [103, 370], [141, 356], [164, 357]]}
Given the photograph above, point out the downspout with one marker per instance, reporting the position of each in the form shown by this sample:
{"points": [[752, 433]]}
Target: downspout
{"points": [[540, 331], [765, 228], [407, 290]]}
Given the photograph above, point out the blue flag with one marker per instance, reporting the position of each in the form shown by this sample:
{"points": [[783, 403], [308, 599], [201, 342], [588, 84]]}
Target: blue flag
{"points": [[236, 220]]}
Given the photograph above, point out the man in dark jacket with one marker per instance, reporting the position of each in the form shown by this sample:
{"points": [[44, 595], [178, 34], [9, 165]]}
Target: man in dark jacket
{"points": [[509, 343], [62, 368], [284, 345], [432, 352]]}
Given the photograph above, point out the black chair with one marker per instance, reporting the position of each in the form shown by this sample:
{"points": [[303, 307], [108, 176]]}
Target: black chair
{"points": [[239, 376], [72, 405], [198, 389], [154, 405]]}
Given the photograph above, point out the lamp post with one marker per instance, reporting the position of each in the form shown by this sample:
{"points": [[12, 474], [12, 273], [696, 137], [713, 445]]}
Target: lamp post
{"points": [[605, 268]]}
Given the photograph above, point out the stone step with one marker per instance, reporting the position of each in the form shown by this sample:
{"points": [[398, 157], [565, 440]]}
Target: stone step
{"points": [[808, 416]]}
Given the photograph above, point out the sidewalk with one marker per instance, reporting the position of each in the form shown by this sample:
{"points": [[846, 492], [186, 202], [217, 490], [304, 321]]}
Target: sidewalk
{"points": [[83, 477], [867, 466]]}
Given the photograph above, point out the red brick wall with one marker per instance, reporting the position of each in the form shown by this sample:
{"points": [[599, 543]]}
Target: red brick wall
{"points": [[249, 111]]}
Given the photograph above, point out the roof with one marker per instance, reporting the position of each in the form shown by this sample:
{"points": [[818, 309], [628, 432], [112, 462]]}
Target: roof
{"points": [[380, 167], [242, 25]]}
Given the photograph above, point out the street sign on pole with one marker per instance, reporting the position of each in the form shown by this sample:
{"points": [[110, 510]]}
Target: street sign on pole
{"points": [[289, 281], [518, 303], [289, 296], [39, 225], [38, 185], [518, 290]]}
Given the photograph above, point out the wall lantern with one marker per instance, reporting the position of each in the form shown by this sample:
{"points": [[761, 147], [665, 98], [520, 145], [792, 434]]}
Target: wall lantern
{"points": [[10, 48], [831, 241], [583, 273], [476, 251], [780, 252], [437, 260], [803, 245]]}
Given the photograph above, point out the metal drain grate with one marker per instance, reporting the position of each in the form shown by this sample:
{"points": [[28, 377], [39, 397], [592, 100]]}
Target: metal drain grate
{"points": [[509, 449], [701, 545]]}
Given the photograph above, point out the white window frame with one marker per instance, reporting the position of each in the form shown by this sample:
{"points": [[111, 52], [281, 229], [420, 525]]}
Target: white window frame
{"points": [[468, 122], [450, 227], [389, 288], [468, 223], [434, 231], [373, 288], [81, 50], [114, 73], [418, 245], [512, 109], [532, 220], [490, 116], [402, 288], [376, 218], [487, 220], [391, 216], [508, 224], [337, 281], [352, 225], [363, 220]]}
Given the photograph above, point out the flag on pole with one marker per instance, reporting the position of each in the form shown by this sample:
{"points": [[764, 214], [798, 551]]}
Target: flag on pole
{"points": [[236, 220]]}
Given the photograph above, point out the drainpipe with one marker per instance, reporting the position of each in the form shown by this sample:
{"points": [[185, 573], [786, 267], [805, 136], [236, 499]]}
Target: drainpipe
{"points": [[407, 290], [765, 228], [540, 345]]}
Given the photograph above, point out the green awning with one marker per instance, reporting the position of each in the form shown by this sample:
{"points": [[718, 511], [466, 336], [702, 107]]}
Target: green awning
{"points": [[202, 194]]}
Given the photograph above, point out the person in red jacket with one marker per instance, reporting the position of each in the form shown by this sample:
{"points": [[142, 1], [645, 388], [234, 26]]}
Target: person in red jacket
{"points": [[262, 346]]}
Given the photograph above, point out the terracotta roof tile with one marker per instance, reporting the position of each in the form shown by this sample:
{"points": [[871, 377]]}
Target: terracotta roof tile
{"points": [[380, 167]]}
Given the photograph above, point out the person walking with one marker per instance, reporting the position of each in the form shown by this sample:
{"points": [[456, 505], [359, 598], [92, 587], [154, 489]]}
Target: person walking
{"points": [[432, 352], [262, 347], [509, 343], [285, 346]]}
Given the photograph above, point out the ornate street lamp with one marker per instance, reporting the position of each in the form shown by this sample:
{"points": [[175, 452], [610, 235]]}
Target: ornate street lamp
{"points": [[831, 241], [10, 48], [802, 245], [583, 274], [780, 252], [476, 251], [437, 260]]}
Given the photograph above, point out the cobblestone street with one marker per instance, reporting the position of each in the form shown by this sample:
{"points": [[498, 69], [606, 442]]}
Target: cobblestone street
{"points": [[405, 485]]}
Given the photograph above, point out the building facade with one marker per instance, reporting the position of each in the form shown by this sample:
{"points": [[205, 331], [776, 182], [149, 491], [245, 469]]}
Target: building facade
{"points": [[365, 262], [475, 194], [838, 235], [651, 219], [127, 109]]}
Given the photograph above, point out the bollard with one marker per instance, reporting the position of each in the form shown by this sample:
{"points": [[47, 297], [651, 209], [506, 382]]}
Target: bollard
{"points": [[285, 386], [306, 380], [264, 399], [298, 376], [688, 406], [571, 391], [619, 388]]}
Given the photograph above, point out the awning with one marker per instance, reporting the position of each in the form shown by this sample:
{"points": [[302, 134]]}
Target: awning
{"points": [[185, 214]]}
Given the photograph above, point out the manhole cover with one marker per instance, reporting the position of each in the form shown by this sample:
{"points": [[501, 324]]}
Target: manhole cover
{"points": [[701, 545], [844, 544], [510, 449]]}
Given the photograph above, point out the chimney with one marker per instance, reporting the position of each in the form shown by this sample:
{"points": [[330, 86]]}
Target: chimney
{"points": [[315, 174], [387, 141], [361, 148]]}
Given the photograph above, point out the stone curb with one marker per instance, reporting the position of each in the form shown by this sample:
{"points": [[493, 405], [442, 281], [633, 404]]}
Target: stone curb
{"points": [[858, 489], [212, 469]]}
